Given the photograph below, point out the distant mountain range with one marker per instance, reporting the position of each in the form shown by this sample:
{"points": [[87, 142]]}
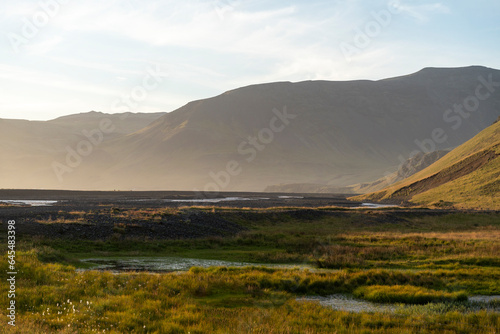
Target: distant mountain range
{"points": [[468, 177], [29, 148], [331, 134]]}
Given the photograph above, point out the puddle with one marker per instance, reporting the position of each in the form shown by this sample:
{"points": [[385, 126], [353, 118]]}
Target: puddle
{"points": [[374, 206], [337, 302], [349, 304], [28, 202], [290, 197], [171, 264], [484, 299], [215, 200], [160, 264]]}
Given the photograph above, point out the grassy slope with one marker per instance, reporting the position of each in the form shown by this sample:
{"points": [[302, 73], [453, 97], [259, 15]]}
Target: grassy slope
{"points": [[477, 190]]}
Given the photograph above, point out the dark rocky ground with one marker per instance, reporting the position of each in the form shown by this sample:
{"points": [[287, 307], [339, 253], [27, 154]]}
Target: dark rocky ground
{"points": [[100, 223], [100, 219], [150, 199], [102, 226]]}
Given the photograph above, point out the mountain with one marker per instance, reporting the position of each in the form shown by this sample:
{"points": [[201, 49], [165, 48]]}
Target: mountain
{"points": [[123, 123], [411, 166], [28, 148], [341, 133], [308, 188], [467, 177], [414, 164], [315, 132]]}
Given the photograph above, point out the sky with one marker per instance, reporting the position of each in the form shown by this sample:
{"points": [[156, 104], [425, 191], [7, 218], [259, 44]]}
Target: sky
{"points": [[60, 57]]}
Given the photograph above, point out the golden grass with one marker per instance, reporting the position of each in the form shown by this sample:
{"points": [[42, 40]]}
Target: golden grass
{"points": [[56, 299], [143, 214], [406, 294], [478, 190], [485, 233], [62, 220]]}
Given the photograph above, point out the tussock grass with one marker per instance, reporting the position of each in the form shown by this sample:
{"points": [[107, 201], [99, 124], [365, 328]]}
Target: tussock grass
{"points": [[54, 298], [406, 294], [62, 220], [143, 214]]}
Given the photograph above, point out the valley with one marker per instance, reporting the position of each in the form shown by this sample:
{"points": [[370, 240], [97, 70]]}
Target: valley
{"points": [[336, 135], [125, 262], [309, 207]]}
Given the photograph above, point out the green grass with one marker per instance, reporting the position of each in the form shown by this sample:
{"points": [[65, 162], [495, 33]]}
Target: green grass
{"points": [[377, 255], [407, 294], [357, 240], [56, 298]]}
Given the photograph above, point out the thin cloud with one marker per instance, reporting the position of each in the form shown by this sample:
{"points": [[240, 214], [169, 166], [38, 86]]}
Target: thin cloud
{"points": [[106, 67], [44, 46], [44, 79], [424, 12]]}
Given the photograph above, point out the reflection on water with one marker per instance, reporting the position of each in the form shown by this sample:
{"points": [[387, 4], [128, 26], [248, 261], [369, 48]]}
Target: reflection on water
{"points": [[193, 200], [215, 200], [169, 264], [232, 199], [161, 264], [28, 202], [484, 299], [337, 302], [374, 206], [346, 303], [349, 304]]}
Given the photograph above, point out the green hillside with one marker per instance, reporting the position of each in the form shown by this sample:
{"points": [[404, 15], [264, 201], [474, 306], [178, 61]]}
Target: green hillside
{"points": [[467, 177]]}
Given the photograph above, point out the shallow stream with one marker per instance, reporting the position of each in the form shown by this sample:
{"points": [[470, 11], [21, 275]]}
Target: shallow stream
{"points": [[338, 302], [348, 303], [167, 264]]}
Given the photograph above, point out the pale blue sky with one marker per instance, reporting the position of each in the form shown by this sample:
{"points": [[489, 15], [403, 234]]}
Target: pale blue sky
{"points": [[87, 55]]}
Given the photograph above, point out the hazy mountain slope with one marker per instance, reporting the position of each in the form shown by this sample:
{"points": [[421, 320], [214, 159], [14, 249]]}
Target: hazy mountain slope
{"points": [[343, 133], [332, 133], [410, 167], [303, 188], [28, 148], [467, 177], [123, 123]]}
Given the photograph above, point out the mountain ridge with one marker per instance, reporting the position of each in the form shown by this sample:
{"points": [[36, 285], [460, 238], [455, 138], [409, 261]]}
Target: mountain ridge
{"points": [[341, 133]]}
